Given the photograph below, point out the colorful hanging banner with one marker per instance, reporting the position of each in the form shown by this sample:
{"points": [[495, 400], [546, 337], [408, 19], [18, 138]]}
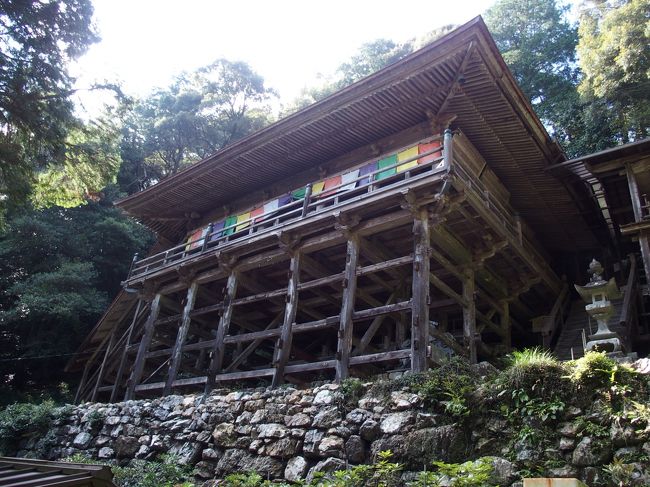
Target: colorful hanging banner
{"points": [[367, 169], [429, 146], [331, 185], [230, 225], [243, 218], [196, 238], [386, 162], [217, 232], [298, 194], [405, 155], [348, 180], [257, 214]]}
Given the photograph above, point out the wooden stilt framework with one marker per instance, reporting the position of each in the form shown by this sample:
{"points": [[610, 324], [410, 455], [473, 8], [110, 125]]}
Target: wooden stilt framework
{"points": [[332, 294]]}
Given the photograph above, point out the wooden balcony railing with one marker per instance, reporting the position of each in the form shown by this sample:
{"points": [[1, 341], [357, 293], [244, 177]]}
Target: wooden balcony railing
{"points": [[307, 206]]}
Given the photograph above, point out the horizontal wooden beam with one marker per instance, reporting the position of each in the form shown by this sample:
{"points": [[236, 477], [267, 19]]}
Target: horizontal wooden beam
{"points": [[289, 369]]}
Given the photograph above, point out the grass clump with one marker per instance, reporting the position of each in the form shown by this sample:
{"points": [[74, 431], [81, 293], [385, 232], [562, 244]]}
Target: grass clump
{"points": [[596, 370], [534, 369]]}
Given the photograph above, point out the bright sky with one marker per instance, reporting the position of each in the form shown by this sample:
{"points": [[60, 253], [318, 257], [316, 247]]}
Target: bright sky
{"points": [[289, 42]]}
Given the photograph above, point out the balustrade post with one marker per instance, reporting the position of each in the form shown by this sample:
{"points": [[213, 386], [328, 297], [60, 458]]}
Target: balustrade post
{"points": [[133, 262], [447, 149], [305, 204]]}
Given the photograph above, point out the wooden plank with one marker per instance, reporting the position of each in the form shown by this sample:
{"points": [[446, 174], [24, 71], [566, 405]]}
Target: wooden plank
{"points": [[216, 361], [347, 309], [383, 266], [380, 357], [386, 309], [138, 366], [120, 367], [283, 346], [420, 293], [469, 314], [181, 336]]}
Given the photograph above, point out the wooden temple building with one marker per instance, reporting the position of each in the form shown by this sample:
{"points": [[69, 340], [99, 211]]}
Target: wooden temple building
{"points": [[421, 211]]}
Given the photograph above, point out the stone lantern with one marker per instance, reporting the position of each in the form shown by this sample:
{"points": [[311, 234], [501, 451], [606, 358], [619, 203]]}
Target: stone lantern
{"points": [[597, 294]]}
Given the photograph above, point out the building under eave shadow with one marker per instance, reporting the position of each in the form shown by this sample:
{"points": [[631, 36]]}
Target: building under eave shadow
{"points": [[419, 212]]}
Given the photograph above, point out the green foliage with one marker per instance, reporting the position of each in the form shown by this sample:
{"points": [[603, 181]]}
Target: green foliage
{"points": [[352, 390], [58, 268], [592, 429], [164, 472], [91, 162], [141, 473], [447, 388], [615, 60], [538, 45], [250, 479], [469, 474], [369, 58], [620, 472], [96, 419], [596, 370], [535, 407], [200, 113], [534, 370], [37, 39], [20, 420]]}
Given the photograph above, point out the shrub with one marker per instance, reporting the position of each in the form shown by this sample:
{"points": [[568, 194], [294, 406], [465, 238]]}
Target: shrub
{"points": [[165, 473], [22, 420], [447, 388], [469, 474], [352, 390], [141, 473], [596, 370]]}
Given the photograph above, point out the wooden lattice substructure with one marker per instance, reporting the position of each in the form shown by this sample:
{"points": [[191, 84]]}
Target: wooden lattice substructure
{"points": [[444, 245], [368, 279]]}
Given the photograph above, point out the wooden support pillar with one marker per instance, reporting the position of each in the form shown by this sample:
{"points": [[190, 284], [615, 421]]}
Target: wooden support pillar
{"points": [[181, 336], [102, 367], [644, 241], [469, 314], [143, 348], [216, 361], [420, 292], [347, 308], [120, 367], [283, 345]]}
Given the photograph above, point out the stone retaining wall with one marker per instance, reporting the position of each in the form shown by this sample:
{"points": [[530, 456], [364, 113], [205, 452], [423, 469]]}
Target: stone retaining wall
{"points": [[291, 434]]}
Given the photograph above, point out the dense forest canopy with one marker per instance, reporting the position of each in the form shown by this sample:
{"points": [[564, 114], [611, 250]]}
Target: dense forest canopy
{"points": [[64, 248]]}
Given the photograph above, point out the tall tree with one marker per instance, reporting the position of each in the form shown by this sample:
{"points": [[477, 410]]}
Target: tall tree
{"points": [[37, 39], [200, 113], [614, 50], [59, 267], [538, 44], [369, 58]]}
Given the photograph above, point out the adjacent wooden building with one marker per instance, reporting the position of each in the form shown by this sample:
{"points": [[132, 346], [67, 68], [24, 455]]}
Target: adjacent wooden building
{"points": [[410, 215]]}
